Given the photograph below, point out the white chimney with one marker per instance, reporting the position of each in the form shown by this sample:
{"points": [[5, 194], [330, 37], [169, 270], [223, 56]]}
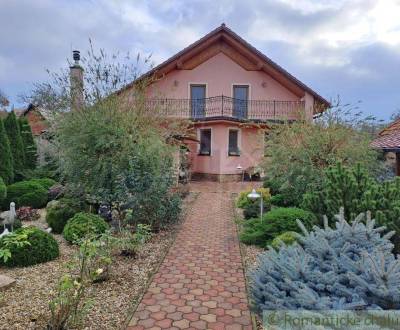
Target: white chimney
{"points": [[76, 81]]}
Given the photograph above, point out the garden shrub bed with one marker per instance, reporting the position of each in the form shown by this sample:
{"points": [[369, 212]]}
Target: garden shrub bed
{"points": [[25, 305]]}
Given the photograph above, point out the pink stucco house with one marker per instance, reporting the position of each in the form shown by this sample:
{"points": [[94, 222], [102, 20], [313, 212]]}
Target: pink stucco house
{"points": [[231, 92]]}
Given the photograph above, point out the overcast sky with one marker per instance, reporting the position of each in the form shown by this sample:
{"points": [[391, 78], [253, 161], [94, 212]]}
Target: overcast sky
{"points": [[347, 48]]}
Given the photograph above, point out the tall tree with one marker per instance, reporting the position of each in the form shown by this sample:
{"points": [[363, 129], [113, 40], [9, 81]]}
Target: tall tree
{"points": [[16, 144], [6, 161], [30, 149]]}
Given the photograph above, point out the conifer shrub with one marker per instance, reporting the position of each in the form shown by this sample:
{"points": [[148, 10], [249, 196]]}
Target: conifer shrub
{"points": [[41, 247], [287, 238], [83, 224], [6, 161], [58, 214], [274, 223], [27, 193], [30, 149], [349, 266], [242, 201], [16, 145], [3, 191], [356, 191]]}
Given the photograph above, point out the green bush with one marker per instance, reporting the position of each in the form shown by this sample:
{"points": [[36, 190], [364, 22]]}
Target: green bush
{"points": [[16, 143], [42, 247], [46, 183], [58, 215], [242, 201], [82, 224], [252, 210], [279, 200], [30, 149], [26, 193], [274, 223], [3, 191], [288, 238], [6, 161]]}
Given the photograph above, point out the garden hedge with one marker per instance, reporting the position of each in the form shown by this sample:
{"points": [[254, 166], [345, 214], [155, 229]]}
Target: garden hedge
{"points": [[42, 248], [83, 224]]}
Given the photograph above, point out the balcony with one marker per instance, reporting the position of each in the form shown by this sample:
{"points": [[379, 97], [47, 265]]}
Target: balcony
{"points": [[223, 107]]}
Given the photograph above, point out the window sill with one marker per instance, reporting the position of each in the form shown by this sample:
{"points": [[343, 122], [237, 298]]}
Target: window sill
{"points": [[200, 154]]}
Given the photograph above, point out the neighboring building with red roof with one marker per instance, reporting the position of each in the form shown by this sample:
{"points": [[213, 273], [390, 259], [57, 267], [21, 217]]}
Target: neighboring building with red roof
{"points": [[389, 142], [37, 118]]}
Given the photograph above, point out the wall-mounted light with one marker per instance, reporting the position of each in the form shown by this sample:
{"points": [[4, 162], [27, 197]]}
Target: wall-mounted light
{"points": [[176, 83], [264, 84]]}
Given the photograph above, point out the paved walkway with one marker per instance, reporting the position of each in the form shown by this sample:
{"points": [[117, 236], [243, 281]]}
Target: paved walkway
{"points": [[200, 284]]}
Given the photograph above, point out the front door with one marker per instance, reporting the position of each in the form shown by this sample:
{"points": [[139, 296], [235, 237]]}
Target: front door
{"points": [[240, 100], [197, 100]]}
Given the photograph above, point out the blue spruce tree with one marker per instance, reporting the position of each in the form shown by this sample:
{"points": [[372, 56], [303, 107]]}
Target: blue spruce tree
{"points": [[350, 266]]}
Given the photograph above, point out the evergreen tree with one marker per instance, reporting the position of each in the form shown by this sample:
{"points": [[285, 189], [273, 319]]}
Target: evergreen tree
{"points": [[350, 188], [6, 162], [30, 149], [16, 144], [350, 266]]}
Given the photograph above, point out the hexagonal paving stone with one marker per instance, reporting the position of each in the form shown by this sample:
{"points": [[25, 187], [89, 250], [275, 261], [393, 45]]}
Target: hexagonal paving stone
{"points": [[200, 284]]}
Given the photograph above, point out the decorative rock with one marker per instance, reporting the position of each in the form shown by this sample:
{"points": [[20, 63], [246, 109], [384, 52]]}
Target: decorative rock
{"points": [[5, 282]]}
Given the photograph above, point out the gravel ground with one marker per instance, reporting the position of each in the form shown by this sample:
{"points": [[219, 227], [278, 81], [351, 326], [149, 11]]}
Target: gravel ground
{"points": [[25, 305]]}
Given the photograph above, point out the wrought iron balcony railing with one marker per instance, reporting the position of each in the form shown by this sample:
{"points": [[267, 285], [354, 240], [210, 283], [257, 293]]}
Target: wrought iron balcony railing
{"points": [[227, 107]]}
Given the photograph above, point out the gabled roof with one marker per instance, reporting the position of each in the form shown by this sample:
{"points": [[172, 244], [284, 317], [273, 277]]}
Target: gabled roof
{"points": [[223, 39], [389, 137]]}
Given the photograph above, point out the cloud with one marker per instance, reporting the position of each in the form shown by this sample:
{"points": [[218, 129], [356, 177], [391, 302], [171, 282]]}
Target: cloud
{"points": [[341, 47]]}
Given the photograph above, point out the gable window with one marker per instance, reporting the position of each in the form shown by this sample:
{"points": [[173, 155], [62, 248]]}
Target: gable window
{"points": [[205, 142], [233, 145]]}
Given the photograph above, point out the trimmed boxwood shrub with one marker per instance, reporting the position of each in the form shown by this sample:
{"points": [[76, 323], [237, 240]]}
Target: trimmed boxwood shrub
{"points": [[274, 223], [82, 224], [46, 183], [58, 215], [26, 193], [3, 191], [288, 238], [42, 248]]}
